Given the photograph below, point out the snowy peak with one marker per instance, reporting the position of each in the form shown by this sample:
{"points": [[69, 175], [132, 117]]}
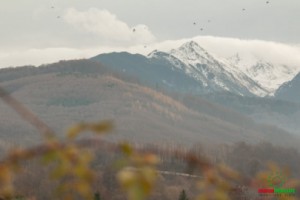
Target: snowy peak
{"points": [[152, 54], [270, 76], [235, 59], [191, 47], [160, 56], [277, 73], [191, 53], [212, 72], [241, 73], [157, 54]]}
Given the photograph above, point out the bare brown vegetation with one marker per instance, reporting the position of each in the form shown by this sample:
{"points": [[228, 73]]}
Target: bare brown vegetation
{"points": [[75, 166]]}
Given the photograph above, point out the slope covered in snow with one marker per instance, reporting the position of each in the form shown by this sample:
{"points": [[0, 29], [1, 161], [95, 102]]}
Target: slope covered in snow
{"points": [[241, 74], [269, 75], [213, 73]]}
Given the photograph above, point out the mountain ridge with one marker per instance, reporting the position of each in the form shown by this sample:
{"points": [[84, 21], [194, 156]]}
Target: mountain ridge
{"points": [[260, 77], [67, 92], [290, 90], [192, 62]]}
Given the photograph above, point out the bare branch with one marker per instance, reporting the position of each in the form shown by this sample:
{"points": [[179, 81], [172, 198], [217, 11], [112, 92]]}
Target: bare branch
{"points": [[26, 114]]}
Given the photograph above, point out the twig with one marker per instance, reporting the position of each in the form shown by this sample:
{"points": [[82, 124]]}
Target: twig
{"points": [[26, 114]]}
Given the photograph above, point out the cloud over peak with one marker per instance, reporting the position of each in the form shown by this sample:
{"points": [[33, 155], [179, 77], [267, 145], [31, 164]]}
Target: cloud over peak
{"points": [[107, 27]]}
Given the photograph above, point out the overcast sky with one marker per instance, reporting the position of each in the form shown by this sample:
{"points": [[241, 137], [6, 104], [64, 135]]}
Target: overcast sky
{"points": [[39, 31]]}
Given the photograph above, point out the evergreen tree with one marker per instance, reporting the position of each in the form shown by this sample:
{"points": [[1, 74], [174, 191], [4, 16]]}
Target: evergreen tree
{"points": [[183, 196], [97, 196]]}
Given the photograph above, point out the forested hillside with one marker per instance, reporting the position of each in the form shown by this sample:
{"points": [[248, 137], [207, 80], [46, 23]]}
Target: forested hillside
{"points": [[72, 91]]}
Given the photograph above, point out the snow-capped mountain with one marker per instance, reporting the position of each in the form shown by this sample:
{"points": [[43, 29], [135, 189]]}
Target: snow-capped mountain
{"points": [[269, 75], [213, 73], [191, 68]]}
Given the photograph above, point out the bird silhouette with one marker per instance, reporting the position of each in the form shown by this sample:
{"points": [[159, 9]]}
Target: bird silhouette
{"points": [[133, 30]]}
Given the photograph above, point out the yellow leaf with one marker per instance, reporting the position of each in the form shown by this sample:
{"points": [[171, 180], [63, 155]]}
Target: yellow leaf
{"points": [[126, 178], [126, 149], [101, 127], [74, 131], [151, 159]]}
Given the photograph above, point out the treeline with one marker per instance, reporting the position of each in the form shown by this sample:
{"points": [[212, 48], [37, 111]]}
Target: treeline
{"points": [[250, 159], [74, 67], [247, 159]]}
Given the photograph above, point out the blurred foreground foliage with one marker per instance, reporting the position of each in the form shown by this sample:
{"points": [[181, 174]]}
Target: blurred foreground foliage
{"points": [[71, 160]]}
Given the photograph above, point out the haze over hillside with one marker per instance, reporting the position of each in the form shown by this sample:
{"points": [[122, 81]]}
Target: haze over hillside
{"points": [[260, 77], [156, 100], [190, 69], [82, 90], [290, 90]]}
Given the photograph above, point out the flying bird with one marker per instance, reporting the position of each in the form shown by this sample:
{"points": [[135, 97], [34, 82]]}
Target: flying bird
{"points": [[244, 9], [267, 2], [133, 30], [194, 23], [201, 29]]}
